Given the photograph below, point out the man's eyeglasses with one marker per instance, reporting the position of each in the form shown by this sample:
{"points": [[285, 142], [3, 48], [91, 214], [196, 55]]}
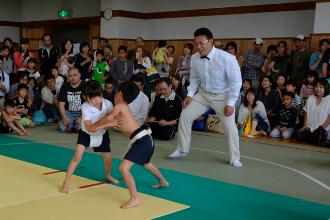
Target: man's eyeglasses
{"points": [[201, 43]]}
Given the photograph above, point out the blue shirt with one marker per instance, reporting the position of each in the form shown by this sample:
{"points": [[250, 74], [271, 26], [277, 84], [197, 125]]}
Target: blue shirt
{"points": [[220, 73], [312, 60]]}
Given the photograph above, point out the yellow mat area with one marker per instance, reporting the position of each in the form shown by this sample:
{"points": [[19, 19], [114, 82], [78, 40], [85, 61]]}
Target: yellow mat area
{"points": [[26, 193]]}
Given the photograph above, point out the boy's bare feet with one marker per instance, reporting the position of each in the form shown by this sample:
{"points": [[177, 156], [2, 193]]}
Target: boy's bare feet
{"points": [[112, 180], [27, 133], [161, 184], [64, 188], [20, 133], [131, 203]]}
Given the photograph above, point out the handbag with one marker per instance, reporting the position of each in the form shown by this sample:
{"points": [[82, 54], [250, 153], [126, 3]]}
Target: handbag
{"points": [[213, 124], [247, 126], [319, 137], [152, 74], [39, 118]]}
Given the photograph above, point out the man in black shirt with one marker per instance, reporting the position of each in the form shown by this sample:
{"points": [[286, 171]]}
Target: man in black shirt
{"points": [[70, 101]]}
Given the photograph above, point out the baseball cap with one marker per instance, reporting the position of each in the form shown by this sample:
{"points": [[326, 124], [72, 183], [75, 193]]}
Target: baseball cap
{"points": [[258, 41], [300, 37]]}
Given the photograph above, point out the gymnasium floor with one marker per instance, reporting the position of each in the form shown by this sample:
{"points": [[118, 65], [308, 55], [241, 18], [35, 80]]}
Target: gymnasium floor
{"points": [[278, 180]]}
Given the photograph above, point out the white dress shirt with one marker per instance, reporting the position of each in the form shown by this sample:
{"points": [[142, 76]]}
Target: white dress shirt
{"points": [[218, 73], [4, 78], [139, 108]]}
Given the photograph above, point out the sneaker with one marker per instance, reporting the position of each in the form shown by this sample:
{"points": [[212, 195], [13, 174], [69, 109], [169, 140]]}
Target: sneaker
{"points": [[177, 154], [237, 163]]}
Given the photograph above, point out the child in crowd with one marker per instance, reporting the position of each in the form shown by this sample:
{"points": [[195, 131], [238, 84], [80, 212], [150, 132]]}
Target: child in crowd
{"points": [[95, 108], [58, 79], [100, 69], [36, 104], [160, 58], [22, 106], [109, 91], [31, 69], [11, 120], [286, 118], [307, 89], [141, 142], [122, 68], [291, 87], [280, 84], [245, 86]]}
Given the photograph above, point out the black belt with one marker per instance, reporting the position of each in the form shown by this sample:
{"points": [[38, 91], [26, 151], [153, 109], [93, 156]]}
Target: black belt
{"points": [[1, 97]]}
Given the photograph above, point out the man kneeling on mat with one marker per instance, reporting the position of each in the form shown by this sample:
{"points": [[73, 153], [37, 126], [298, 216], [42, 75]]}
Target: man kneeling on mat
{"points": [[92, 110], [141, 142]]}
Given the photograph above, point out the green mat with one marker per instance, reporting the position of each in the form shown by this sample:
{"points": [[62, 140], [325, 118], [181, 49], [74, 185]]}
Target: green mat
{"points": [[209, 199]]}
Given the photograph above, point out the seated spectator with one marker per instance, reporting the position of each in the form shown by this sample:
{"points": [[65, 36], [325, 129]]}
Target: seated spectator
{"points": [[307, 89], [291, 87], [179, 89], [109, 91], [286, 118], [36, 104], [70, 101], [200, 123], [58, 79], [280, 85], [31, 69], [23, 78], [245, 86], [49, 100], [4, 84], [270, 98], [10, 120], [156, 94], [256, 110], [165, 112], [139, 106], [22, 106], [317, 115]]}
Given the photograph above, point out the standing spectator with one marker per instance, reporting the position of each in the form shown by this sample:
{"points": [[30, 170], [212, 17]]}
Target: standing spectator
{"points": [[281, 62], [70, 101], [160, 59], [271, 53], [108, 56], [300, 61], [22, 56], [48, 54], [326, 64], [109, 91], [7, 41], [66, 61], [245, 86], [215, 81], [83, 61], [31, 69], [141, 64], [139, 41], [7, 60], [315, 61], [50, 103], [4, 84], [122, 68], [307, 88], [252, 64], [165, 112], [231, 47], [100, 68], [183, 66], [170, 52], [286, 117]]}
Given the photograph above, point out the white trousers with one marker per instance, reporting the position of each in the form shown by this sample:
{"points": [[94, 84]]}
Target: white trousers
{"points": [[200, 103]]}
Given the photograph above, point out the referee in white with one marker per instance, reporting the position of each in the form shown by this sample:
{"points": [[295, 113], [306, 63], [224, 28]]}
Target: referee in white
{"points": [[215, 81]]}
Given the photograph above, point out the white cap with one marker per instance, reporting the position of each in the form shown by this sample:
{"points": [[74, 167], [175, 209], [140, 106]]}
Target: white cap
{"points": [[300, 37], [258, 41]]}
